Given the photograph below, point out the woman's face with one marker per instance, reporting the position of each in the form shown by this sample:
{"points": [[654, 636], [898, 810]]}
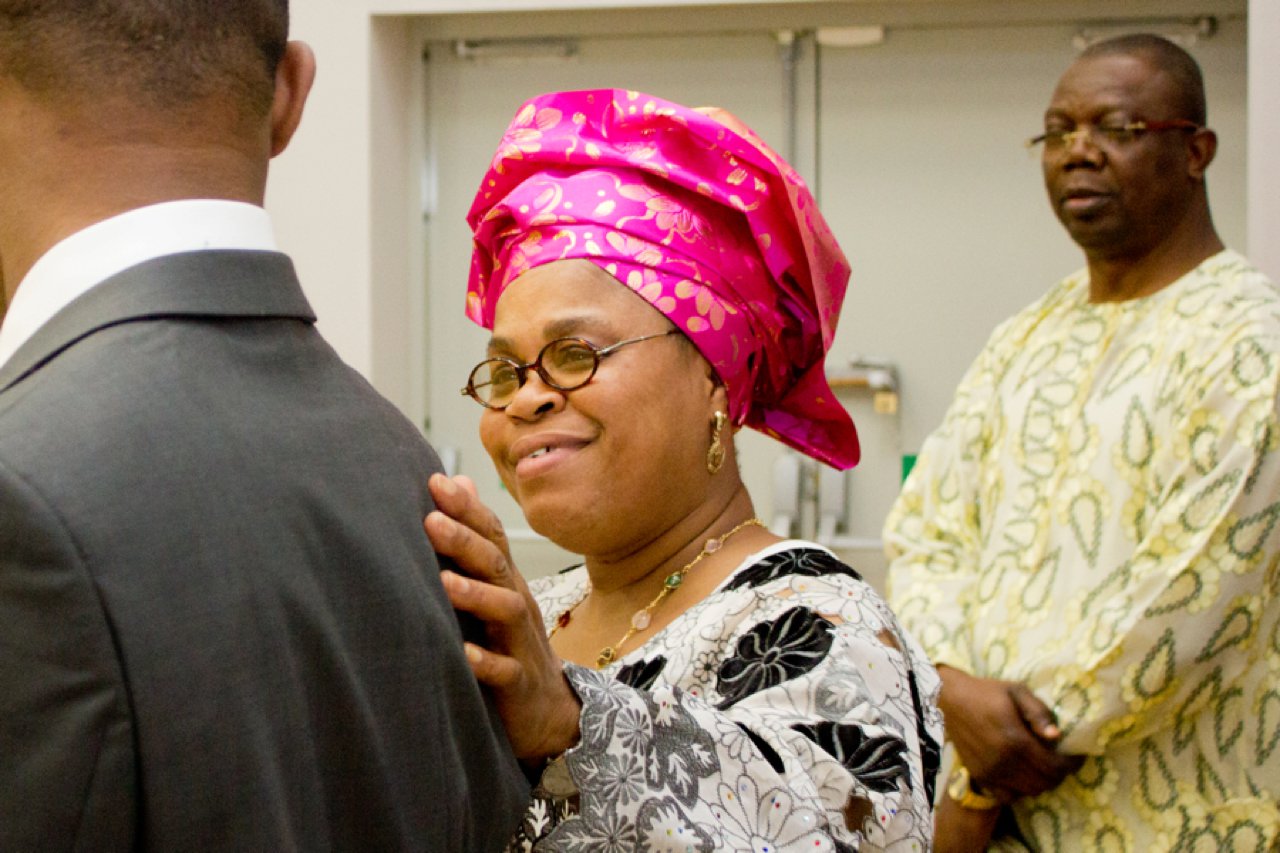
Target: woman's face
{"points": [[595, 467]]}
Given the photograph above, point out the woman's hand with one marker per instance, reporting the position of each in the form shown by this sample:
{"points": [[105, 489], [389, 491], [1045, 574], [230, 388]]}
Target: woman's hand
{"points": [[1005, 735], [536, 703]]}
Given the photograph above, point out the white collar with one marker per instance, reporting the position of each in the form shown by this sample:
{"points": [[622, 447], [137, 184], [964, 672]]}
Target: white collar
{"points": [[94, 254]]}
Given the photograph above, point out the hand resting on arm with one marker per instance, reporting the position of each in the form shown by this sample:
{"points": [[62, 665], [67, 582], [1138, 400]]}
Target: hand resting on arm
{"points": [[537, 705]]}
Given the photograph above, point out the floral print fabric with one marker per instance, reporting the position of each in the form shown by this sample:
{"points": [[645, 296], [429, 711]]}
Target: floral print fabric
{"points": [[697, 215], [786, 711], [1097, 517]]}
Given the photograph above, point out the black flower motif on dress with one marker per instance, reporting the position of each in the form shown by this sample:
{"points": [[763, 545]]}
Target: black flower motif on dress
{"points": [[545, 813], [879, 762], [643, 674], [774, 652], [770, 754], [645, 743], [605, 832], [804, 562], [682, 753], [658, 768], [662, 824], [600, 705]]}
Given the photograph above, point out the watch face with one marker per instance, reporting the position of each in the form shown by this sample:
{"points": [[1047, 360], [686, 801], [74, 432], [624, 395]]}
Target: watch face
{"points": [[958, 784], [960, 790]]}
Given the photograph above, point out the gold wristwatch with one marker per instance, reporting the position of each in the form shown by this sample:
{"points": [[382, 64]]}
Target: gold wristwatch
{"points": [[960, 790]]}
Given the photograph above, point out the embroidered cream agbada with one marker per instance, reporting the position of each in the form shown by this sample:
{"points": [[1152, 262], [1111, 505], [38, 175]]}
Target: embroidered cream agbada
{"points": [[1097, 517]]}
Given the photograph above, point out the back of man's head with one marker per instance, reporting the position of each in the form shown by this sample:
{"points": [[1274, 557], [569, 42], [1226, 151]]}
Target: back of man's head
{"points": [[1165, 56], [157, 54]]}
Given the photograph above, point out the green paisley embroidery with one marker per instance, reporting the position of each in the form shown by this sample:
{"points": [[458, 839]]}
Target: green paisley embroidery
{"points": [[1254, 838], [1155, 673], [1250, 363], [1184, 589], [1086, 516], [991, 583], [1193, 300], [1111, 585], [1092, 774], [1159, 788], [1248, 536], [1173, 381], [1045, 826], [1223, 736], [1195, 840], [1268, 727], [1203, 445], [1089, 330], [1038, 362], [1184, 719], [1207, 504], [1207, 781], [1109, 839], [1236, 628], [1136, 438], [1036, 592], [1108, 623], [1134, 362]]}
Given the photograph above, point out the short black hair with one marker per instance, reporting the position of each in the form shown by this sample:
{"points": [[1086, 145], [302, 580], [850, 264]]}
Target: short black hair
{"points": [[162, 53], [1167, 57]]}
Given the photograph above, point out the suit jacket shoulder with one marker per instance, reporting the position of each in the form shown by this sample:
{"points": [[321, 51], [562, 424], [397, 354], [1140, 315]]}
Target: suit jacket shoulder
{"points": [[231, 520]]}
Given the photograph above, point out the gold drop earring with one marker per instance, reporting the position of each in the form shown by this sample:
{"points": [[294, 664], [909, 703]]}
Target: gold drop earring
{"points": [[715, 453]]}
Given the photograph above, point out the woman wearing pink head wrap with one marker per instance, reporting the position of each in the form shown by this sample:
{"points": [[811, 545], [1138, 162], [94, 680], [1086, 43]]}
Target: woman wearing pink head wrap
{"points": [[654, 278]]}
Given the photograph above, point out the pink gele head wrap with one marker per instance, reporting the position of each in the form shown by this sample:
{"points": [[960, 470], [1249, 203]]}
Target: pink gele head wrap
{"points": [[697, 215]]}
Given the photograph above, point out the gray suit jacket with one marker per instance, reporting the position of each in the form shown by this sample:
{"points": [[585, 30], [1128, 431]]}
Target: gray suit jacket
{"points": [[221, 624]]}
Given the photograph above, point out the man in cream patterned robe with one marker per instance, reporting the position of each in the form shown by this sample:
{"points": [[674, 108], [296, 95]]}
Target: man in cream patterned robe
{"points": [[1088, 547]]}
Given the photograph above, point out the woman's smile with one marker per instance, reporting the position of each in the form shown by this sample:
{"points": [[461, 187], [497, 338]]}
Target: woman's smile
{"points": [[536, 455]]}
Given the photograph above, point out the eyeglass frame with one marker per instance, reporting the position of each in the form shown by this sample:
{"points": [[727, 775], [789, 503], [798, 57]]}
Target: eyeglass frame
{"points": [[522, 370], [1061, 139]]}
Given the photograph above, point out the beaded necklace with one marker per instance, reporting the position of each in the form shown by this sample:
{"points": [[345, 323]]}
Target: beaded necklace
{"points": [[644, 616]]}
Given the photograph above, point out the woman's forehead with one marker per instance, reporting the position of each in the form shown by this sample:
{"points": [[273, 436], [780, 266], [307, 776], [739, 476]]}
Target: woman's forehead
{"points": [[569, 288], [568, 299]]}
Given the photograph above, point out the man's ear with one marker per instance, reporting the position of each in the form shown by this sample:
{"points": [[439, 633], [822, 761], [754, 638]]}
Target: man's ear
{"points": [[1201, 148], [294, 76]]}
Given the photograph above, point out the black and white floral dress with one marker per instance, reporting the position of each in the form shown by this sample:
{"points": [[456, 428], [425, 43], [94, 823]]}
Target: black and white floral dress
{"points": [[786, 711]]}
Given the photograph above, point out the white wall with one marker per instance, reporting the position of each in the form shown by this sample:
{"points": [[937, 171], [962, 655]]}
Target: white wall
{"points": [[331, 192], [1264, 135], [320, 188]]}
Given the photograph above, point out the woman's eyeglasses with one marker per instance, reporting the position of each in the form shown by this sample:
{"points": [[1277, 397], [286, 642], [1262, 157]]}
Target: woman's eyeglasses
{"points": [[563, 364]]}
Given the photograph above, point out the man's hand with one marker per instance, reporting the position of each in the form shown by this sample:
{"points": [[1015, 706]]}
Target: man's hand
{"points": [[960, 830], [1004, 735]]}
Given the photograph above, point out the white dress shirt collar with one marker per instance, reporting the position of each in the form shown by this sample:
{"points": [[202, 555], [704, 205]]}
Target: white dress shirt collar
{"points": [[94, 254]]}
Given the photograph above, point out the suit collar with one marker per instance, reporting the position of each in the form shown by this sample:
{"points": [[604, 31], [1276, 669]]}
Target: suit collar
{"points": [[216, 283]]}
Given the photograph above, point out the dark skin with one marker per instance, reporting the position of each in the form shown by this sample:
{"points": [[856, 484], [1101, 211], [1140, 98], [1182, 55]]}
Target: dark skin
{"points": [[1005, 735], [1008, 739], [70, 159], [1139, 210], [967, 830]]}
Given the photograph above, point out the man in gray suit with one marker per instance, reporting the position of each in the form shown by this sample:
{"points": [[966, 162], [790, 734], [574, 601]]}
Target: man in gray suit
{"points": [[221, 626]]}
